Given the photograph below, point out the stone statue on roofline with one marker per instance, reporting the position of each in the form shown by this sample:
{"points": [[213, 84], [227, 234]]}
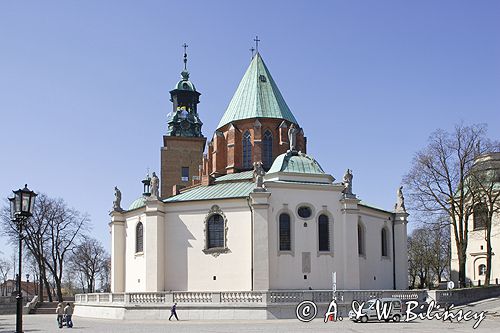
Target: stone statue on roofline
{"points": [[258, 173], [118, 199], [347, 181], [292, 137], [155, 186], [400, 204]]}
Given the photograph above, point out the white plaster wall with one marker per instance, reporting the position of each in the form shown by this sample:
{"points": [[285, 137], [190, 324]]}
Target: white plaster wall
{"points": [[375, 271], [118, 239], [188, 267], [477, 255], [135, 265], [286, 269]]}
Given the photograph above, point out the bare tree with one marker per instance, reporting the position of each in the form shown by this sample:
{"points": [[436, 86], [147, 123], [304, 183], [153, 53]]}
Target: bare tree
{"points": [[63, 231], [421, 256], [484, 188], [50, 235], [5, 268], [437, 182], [412, 264], [106, 275], [440, 249], [34, 236], [90, 259]]}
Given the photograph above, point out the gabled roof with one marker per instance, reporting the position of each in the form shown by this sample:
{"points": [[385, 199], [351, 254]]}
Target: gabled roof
{"points": [[244, 175], [257, 96], [217, 191]]}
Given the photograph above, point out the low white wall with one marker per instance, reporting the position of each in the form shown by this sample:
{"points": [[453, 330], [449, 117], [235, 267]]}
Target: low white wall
{"points": [[277, 304], [163, 312]]}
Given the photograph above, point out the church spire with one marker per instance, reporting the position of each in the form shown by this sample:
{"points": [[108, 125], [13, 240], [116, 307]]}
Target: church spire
{"points": [[184, 119], [257, 96], [185, 56]]}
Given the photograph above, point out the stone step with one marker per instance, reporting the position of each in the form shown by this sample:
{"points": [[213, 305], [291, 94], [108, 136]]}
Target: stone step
{"points": [[46, 307], [44, 311]]}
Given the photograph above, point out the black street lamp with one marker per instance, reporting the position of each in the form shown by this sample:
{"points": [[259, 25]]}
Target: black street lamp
{"points": [[21, 208]]}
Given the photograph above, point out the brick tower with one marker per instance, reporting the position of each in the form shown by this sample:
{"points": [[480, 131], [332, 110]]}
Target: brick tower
{"points": [[183, 145]]}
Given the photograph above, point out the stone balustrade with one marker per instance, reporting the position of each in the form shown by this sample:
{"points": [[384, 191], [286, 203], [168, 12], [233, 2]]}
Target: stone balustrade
{"points": [[244, 297]]}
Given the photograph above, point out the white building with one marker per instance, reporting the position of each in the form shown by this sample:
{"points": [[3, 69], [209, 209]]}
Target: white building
{"points": [[225, 232], [476, 245]]}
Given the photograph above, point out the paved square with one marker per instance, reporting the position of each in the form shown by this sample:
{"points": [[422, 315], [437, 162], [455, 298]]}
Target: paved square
{"points": [[47, 323]]}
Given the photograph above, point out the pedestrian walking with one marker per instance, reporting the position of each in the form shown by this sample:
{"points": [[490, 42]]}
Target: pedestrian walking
{"points": [[68, 313], [60, 314], [447, 309], [173, 312]]}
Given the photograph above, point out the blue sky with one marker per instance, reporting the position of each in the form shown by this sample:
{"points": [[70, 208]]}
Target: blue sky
{"points": [[84, 84]]}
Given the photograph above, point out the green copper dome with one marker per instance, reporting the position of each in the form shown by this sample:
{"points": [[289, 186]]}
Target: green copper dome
{"points": [[185, 84], [295, 162], [257, 96], [138, 203]]}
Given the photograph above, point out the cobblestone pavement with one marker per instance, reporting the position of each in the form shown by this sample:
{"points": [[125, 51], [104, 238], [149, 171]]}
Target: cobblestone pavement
{"points": [[47, 323]]}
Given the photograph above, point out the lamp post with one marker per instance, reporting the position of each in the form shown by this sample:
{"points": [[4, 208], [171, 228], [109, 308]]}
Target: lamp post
{"points": [[28, 286], [21, 208]]}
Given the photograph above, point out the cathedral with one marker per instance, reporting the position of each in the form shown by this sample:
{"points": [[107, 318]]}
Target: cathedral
{"points": [[248, 209]]}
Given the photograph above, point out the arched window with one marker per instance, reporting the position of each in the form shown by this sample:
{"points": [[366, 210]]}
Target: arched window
{"points": [[361, 240], [384, 242], [482, 269], [285, 232], [480, 216], [323, 233], [267, 149], [139, 237], [247, 151], [215, 231]]}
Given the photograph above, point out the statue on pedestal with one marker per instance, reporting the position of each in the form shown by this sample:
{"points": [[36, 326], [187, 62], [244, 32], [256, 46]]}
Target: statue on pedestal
{"points": [[259, 173], [292, 137], [400, 204], [155, 186], [347, 181], [118, 199]]}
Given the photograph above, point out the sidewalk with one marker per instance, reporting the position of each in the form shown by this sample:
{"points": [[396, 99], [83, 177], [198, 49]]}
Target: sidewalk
{"points": [[47, 323]]}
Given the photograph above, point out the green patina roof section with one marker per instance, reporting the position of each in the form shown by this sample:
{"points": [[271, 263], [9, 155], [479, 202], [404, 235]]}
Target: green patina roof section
{"points": [[362, 203], [296, 163], [216, 191], [256, 97], [184, 83], [139, 202], [235, 176]]}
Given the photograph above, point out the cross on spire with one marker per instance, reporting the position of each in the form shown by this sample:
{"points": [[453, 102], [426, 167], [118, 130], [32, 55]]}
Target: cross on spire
{"points": [[252, 50], [185, 55], [256, 40]]}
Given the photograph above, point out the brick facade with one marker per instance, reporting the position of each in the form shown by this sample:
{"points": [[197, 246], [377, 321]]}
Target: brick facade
{"points": [[225, 151], [178, 152]]}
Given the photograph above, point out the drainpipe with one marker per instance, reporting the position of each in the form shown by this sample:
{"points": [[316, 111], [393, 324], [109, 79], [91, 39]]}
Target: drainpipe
{"points": [[393, 258], [251, 242]]}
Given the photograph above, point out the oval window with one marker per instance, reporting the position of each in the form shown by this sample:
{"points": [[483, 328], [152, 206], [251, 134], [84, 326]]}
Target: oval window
{"points": [[304, 212]]}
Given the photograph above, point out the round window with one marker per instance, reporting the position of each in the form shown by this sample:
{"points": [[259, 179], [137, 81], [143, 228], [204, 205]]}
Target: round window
{"points": [[304, 212]]}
